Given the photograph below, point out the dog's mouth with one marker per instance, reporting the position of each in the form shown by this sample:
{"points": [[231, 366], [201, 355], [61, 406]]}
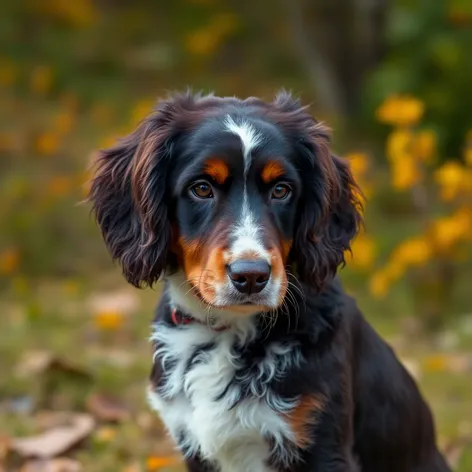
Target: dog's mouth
{"points": [[249, 303]]}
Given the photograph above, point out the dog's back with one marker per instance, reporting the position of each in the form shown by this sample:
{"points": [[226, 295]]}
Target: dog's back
{"points": [[393, 427]]}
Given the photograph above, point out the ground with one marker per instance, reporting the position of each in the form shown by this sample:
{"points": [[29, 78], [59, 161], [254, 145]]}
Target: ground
{"points": [[78, 347]]}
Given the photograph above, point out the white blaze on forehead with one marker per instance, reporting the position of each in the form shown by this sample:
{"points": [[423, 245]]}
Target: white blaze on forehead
{"points": [[247, 237], [250, 138]]}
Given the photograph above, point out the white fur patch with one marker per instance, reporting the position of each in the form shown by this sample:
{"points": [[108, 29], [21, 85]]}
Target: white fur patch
{"points": [[193, 399], [250, 138]]}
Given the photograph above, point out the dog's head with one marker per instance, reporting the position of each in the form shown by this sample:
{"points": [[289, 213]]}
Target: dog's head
{"points": [[231, 193]]}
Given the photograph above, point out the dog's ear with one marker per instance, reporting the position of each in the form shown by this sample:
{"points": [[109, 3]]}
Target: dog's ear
{"points": [[128, 192], [329, 215]]}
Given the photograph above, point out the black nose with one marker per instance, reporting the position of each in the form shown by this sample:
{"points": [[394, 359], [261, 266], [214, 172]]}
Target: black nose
{"points": [[249, 276]]}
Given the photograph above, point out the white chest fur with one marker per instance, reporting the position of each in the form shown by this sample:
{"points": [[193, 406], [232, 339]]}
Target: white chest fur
{"points": [[203, 415]]}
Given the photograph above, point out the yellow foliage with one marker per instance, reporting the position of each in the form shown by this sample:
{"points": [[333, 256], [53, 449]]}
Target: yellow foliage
{"points": [[400, 110], [20, 285], [363, 252], [109, 320], [359, 163], [399, 144], [9, 260], [47, 143], [414, 251], [450, 230], [405, 173], [79, 13], [206, 40], [379, 284], [41, 80], [453, 178], [203, 42], [436, 363], [424, 145], [8, 72]]}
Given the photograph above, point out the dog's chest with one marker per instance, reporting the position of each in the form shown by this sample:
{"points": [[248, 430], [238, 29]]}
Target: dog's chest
{"points": [[219, 405]]}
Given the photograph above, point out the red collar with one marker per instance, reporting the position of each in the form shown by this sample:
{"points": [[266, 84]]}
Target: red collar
{"points": [[179, 319]]}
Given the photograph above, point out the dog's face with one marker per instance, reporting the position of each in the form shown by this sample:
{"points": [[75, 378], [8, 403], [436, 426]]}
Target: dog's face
{"points": [[235, 192], [230, 193]]}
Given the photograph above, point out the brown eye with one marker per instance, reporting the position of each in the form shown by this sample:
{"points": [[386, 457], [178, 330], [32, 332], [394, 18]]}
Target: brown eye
{"points": [[280, 192], [202, 190]]}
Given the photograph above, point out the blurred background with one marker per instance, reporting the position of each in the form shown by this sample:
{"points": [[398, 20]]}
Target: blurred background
{"points": [[393, 78]]}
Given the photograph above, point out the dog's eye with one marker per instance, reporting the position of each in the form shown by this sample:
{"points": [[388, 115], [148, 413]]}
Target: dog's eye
{"points": [[202, 189], [281, 192]]}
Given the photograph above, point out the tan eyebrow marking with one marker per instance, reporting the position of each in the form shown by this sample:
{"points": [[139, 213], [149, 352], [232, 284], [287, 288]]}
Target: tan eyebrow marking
{"points": [[217, 170], [271, 171]]}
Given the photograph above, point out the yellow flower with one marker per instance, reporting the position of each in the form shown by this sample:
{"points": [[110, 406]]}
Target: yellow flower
{"points": [[415, 251], [448, 231], [379, 284], [9, 260], [47, 143], [400, 110], [405, 173], [450, 178], [436, 363], [41, 80], [399, 144], [363, 252], [424, 145]]}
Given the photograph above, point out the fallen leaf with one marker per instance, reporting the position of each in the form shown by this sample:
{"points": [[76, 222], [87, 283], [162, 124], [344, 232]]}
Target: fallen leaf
{"points": [[37, 362], [156, 462], [116, 302], [107, 408], [53, 465], [57, 440], [5, 444]]}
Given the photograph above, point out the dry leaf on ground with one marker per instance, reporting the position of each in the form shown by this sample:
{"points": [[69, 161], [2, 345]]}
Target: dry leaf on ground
{"points": [[52, 465], [156, 462], [107, 408], [57, 440], [37, 362]]}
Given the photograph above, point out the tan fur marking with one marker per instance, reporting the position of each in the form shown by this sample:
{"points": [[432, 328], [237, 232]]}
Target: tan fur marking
{"points": [[217, 170], [271, 171], [303, 417]]}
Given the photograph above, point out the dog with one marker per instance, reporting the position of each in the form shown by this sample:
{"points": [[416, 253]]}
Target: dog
{"points": [[262, 363]]}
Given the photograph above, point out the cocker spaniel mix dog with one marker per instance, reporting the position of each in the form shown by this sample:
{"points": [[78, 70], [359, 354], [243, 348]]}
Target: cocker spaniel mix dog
{"points": [[261, 361]]}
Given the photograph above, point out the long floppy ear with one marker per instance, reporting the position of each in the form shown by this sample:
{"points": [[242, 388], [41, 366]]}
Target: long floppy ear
{"points": [[128, 196], [331, 203]]}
